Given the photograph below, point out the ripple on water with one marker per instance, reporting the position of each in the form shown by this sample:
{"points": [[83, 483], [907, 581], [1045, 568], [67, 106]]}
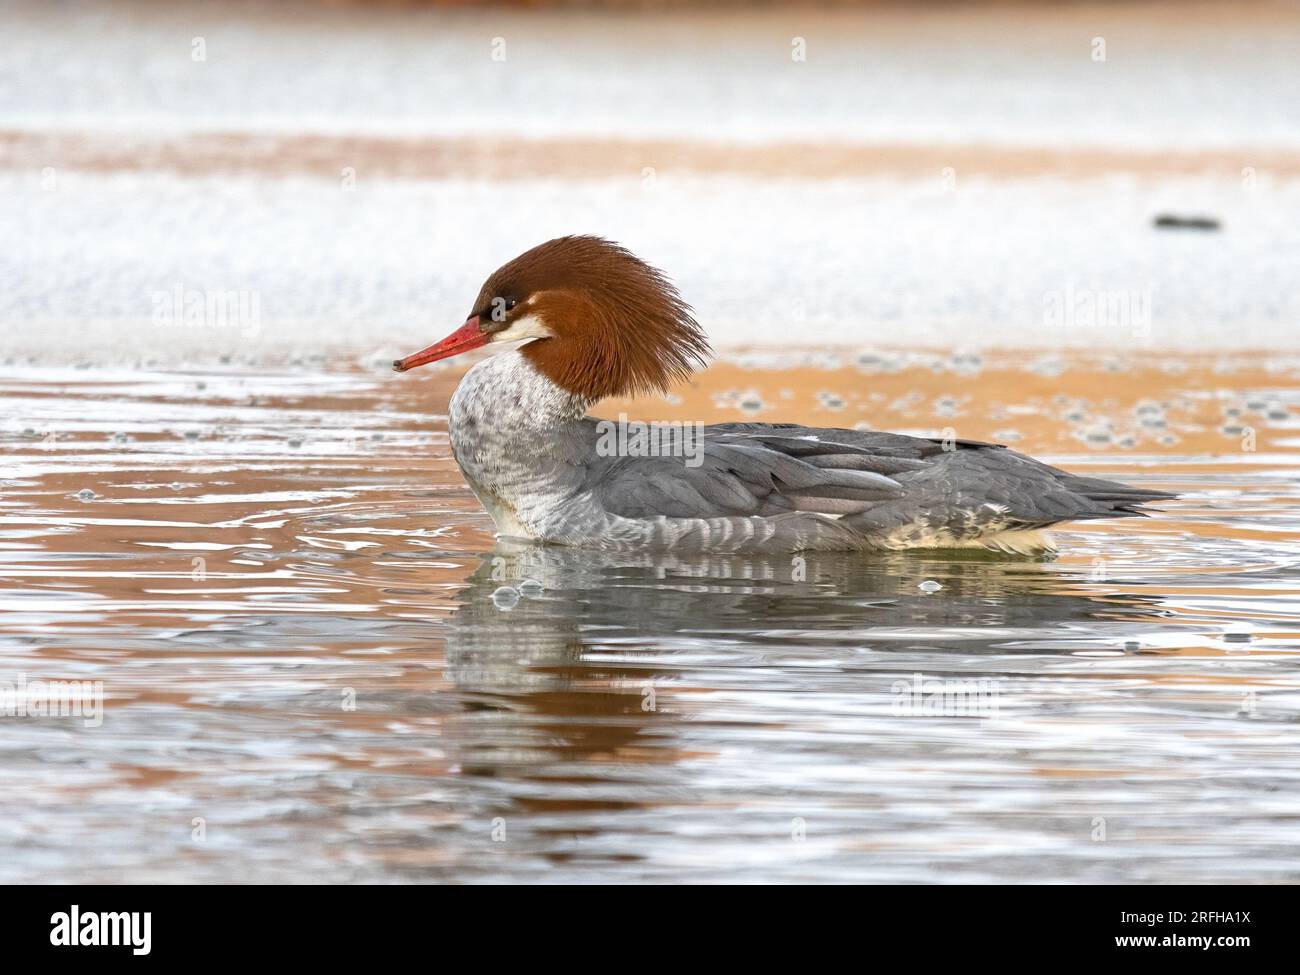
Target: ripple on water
{"points": [[309, 641]]}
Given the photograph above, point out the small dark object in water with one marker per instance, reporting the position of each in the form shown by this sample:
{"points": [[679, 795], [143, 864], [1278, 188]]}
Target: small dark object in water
{"points": [[1170, 222]]}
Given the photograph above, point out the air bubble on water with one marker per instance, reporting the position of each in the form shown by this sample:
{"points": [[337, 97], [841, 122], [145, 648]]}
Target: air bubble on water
{"points": [[945, 406], [1150, 414], [929, 586], [295, 442], [531, 588], [85, 494], [191, 435], [1097, 435], [505, 598]]}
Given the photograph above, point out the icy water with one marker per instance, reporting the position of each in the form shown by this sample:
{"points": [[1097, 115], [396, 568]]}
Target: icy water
{"points": [[317, 664]]}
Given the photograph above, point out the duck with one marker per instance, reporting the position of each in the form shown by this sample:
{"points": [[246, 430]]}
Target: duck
{"points": [[586, 320]]}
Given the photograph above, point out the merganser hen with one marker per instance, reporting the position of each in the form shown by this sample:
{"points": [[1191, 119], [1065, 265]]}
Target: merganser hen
{"points": [[599, 322]]}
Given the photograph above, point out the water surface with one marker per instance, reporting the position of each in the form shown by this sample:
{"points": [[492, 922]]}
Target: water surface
{"points": [[318, 665]]}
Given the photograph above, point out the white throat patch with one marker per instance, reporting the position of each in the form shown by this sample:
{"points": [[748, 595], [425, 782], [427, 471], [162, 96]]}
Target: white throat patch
{"points": [[528, 327]]}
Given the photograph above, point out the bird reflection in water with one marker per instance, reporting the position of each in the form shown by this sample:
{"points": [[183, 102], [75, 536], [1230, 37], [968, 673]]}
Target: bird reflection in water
{"points": [[567, 660]]}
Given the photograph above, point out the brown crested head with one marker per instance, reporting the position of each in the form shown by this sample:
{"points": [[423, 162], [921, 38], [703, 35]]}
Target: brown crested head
{"points": [[603, 322]]}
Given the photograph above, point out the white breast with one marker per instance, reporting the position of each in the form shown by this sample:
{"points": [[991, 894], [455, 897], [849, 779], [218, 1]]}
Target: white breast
{"points": [[515, 435]]}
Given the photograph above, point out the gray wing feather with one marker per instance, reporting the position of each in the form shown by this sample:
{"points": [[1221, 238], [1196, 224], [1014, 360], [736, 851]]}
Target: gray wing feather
{"points": [[736, 476], [878, 482]]}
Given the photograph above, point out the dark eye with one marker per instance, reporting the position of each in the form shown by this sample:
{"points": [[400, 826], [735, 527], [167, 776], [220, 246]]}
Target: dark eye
{"points": [[501, 305]]}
